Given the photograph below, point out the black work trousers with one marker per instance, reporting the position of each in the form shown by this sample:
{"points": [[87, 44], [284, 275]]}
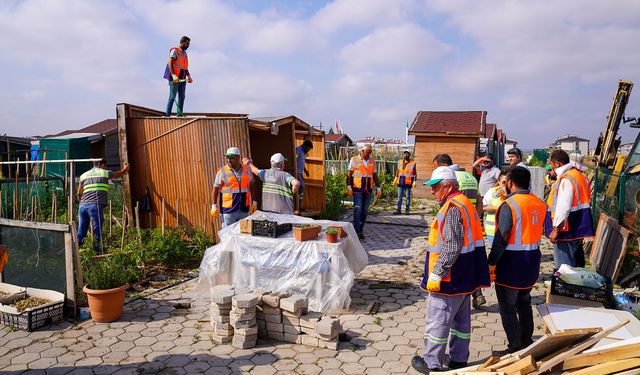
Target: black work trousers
{"points": [[516, 315]]}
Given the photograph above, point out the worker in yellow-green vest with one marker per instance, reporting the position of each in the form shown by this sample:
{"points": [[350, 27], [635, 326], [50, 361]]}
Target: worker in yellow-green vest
{"points": [[467, 184], [93, 194], [490, 203]]}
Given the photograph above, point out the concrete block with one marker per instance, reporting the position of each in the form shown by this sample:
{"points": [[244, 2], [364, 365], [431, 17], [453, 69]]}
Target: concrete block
{"points": [[259, 315], [276, 327], [275, 335], [296, 314], [222, 297], [308, 340], [243, 310], [328, 327], [241, 290], [247, 331], [243, 324], [272, 318], [240, 338], [291, 320], [309, 331], [310, 319], [216, 310], [328, 344], [218, 325], [220, 319], [294, 303], [244, 300], [241, 317], [223, 332], [292, 329], [271, 310], [271, 300], [292, 338], [221, 339], [244, 344]]}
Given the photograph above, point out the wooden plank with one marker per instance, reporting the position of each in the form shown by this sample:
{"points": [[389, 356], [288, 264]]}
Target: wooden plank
{"points": [[548, 344], [548, 365], [610, 367], [34, 225], [523, 367], [76, 257], [601, 356], [124, 158], [490, 361], [69, 273]]}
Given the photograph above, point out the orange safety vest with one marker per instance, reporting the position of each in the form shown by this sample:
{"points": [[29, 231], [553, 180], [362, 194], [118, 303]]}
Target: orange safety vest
{"points": [[519, 265], [471, 270], [579, 224], [363, 176], [181, 61], [406, 174], [235, 195]]}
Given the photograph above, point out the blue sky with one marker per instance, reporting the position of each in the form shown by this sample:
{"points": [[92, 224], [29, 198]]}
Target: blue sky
{"points": [[540, 69]]}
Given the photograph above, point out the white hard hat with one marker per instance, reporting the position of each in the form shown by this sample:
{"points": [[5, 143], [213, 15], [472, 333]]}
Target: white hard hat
{"points": [[277, 158], [233, 151], [441, 173]]}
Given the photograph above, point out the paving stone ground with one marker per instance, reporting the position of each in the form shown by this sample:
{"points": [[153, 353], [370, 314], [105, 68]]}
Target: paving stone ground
{"points": [[153, 337]]}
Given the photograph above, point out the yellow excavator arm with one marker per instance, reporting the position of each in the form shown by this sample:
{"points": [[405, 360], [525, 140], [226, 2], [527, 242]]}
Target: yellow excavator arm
{"points": [[605, 154]]}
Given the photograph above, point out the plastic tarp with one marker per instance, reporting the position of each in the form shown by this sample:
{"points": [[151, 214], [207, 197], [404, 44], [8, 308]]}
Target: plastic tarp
{"points": [[321, 271]]}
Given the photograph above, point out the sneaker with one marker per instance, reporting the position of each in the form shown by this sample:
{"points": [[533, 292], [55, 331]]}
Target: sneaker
{"points": [[397, 212], [453, 365], [478, 301], [361, 235], [419, 365], [406, 212]]}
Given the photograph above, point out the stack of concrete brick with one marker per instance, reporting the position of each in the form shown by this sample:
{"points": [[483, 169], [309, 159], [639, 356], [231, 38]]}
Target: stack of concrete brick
{"points": [[221, 299], [243, 319]]}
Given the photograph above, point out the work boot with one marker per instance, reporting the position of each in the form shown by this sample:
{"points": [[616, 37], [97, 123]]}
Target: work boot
{"points": [[397, 212], [406, 212], [453, 365], [419, 365], [361, 235], [478, 301]]}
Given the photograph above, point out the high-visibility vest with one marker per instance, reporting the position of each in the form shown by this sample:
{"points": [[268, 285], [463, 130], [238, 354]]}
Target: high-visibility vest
{"points": [[181, 62], [363, 175], [490, 217], [406, 173], [276, 192], [235, 195], [519, 265], [471, 270], [95, 179], [468, 185], [579, 224]]}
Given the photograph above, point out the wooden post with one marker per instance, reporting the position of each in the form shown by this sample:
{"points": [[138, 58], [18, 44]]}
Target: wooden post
{"points": [[76, 257], [162, 220], [124, 157], [72, 178], [15, 203], [124, 226], [138, 221], [110, 219], [68, 262], [54, 207]]}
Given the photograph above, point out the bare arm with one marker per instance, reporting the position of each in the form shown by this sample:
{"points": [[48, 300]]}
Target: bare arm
{"points": [[121, 172], [249, 164], [349, 178], [295, 186], [215, 194], [489, 208], [80, 189]]}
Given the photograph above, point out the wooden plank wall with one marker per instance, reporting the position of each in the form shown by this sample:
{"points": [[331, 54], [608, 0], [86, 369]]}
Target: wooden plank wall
{"points": [[314, 197], [180, 166], [461, 149]]}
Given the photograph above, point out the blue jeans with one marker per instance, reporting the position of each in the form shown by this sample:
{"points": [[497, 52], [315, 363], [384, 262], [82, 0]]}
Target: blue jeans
{"points": [[90, 213], [179, 90], [233, 217], [569, 252], [401, 193], [360, 209]]}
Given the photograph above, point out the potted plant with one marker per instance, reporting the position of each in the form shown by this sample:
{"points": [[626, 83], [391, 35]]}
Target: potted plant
{"points": [[106, 281], [306, 232], [332, 235], [342, 233]]}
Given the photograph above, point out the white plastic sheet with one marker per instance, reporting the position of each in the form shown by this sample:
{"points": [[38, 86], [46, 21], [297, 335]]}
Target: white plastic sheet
{"points": [[321, 271]]}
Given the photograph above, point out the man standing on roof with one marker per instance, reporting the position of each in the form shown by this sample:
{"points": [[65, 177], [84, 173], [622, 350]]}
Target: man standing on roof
{"points": [[278, 187], [455, 267], [177, 73], [515, 158], [405, 180], [568, 220], [93, 194], [235, 182], [301, 166], [361, 177], [514, 261]]}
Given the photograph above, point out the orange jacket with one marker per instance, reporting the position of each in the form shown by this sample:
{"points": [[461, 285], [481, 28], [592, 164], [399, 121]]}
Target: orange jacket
{"points": [[181, 62]]}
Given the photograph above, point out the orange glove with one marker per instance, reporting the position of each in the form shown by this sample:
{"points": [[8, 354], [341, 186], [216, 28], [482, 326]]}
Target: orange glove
{"points": [[189, 79], [492, 273], [379, 192], [349, 191], [214, 210], [395, 181], [4, 256], [433, 284], [254, 207]]}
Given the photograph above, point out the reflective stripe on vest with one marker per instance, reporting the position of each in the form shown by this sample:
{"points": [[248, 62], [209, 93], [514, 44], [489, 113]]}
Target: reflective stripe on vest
{"points": [[579, 224], [233, 191], [470, 271], [363, 176], [468, 185], [95, 179], [490, 217], [181, 61], [277, 189], [406, 173]]}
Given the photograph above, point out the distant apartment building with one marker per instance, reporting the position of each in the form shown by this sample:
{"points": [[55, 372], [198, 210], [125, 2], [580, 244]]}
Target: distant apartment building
{"points": [[572, 143]]}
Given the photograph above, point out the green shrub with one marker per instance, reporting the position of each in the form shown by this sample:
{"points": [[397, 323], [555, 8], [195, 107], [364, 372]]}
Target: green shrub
{"points": [[176, 248], [335, 193], [107, 273]]}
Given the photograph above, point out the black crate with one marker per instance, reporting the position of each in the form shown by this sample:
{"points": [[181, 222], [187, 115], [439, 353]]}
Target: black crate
{"points": [[34, 318], [603, 295], [266, 228]]}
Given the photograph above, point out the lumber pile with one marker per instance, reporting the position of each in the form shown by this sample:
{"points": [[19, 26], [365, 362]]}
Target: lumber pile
{"points": [[563, 352]]}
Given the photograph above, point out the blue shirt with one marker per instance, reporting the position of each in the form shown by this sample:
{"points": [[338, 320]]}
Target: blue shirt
{"points": [[301, 159]]}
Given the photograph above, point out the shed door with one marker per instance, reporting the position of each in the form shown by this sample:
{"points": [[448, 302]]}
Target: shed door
{"points": [[314, 201]]}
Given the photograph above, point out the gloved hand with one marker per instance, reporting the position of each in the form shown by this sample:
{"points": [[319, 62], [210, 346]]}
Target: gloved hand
{"points": [[395, 181], [175, 78], [214, 210], [189, 79], [349, 191], [492, 273], [433, 283], [254, 207], [413, 185], [379, 192]]}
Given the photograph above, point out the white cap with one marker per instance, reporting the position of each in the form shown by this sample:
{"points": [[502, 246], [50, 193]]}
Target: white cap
{"points": [[277, 158], [233, 151], [441, 173]]}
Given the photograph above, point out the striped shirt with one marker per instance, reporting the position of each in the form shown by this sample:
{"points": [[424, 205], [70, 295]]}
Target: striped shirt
{"points": [[452, 241]]}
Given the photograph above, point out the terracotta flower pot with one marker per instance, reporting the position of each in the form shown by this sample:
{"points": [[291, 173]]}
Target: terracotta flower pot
{"points": [[106, 305], [332, 238], [341, 232], [306, 234]]}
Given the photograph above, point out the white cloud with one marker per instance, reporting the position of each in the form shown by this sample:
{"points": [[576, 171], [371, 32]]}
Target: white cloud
{"points": [[362, 13]]}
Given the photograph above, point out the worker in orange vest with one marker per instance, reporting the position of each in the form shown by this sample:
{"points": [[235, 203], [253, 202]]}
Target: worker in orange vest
{"points": [[177, 73], [514, 260], [232, 190], [405, 180], [568, 220], [361, 177]]}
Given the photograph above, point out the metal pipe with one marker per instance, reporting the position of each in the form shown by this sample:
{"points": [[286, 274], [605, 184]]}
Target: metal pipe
{"points": [[49, 161]]}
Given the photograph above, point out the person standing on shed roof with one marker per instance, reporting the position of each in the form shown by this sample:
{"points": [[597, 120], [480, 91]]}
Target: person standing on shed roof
{"points": [[279, 187], [568, 220], [361, 177], [93, 194], [514, 260], [301, 166], [236, 184], [405, 180], [515, 158], [456, 266], [177, 73]]}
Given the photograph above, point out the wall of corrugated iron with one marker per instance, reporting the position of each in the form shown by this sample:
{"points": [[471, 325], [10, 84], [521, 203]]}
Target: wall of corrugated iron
{"points": [[176, 159]]}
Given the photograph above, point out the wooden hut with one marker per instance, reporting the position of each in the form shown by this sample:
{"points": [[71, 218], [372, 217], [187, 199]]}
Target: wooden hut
{"points": [[174, 160]]}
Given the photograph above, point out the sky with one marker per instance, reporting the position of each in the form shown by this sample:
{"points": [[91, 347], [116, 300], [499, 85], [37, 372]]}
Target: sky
{"points": [[541, 69]]}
